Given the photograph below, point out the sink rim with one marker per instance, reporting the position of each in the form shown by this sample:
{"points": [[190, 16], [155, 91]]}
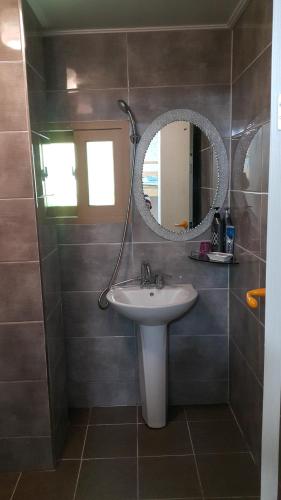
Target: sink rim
{"points": [[191, 298]]}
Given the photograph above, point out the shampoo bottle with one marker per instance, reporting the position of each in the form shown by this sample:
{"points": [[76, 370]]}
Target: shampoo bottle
{"points": [[217, 232]]}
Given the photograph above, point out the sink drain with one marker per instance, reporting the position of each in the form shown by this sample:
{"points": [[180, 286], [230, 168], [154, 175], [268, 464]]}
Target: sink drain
{"points": [[151, 294]]}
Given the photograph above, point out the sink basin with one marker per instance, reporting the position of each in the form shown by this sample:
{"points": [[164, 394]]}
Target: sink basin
{"points": [[153, 309], [151, 306]]}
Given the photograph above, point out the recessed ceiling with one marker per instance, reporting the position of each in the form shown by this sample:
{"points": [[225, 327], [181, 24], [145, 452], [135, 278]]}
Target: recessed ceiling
{"points": [[113, 14]]}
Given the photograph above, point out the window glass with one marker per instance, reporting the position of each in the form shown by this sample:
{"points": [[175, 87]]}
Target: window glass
{"points": [[100, 166], [58, 161]]}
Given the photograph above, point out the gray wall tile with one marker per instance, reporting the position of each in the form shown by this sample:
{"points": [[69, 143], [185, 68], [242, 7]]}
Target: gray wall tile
{"points": [[189, 392], [20, 292], [51, 285], [83, 317], [103, 393], [26, 342], [18, 234], [26, 453], [15, 170], [12, 97], [209, 316], [24, 409], [103, 64], [174, 57], [11, 18], [246, 214], [91, 233]]}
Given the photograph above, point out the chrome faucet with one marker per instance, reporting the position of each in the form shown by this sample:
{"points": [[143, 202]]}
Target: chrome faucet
{"points": [[146, 275]]}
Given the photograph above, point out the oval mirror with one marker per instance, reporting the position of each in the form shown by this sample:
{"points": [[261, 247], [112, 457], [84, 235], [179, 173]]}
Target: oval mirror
{"points": [[181, 174]]}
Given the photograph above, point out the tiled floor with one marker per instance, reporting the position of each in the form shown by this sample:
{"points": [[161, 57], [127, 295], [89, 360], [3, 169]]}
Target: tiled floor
{"points": [[112, 455]]}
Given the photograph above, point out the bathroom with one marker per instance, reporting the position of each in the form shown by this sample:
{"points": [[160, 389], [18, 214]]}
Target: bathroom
{"points": [[77, 390]]}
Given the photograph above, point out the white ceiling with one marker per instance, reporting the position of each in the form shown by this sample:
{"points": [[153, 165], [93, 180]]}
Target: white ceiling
{"points": [[118, 14]]}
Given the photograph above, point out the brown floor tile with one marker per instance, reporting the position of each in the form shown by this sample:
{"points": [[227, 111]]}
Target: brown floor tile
{"points": [[175, 414], [50, 485], [79, 416], [109, 441], [114, 415], [168, 477], [74, 442], [108, 480], [216, 436], [208, 412], [170, 440], [228, 475], [7, 484]]}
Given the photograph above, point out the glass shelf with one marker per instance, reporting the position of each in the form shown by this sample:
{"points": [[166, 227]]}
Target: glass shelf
{"points": [[204, 258]]}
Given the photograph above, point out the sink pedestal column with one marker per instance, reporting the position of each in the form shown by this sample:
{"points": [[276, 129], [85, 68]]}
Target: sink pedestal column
{"points": [[152, 347]]}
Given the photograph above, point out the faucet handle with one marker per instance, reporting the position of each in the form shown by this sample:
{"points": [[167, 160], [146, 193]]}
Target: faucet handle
{"points": [[159, 281]]}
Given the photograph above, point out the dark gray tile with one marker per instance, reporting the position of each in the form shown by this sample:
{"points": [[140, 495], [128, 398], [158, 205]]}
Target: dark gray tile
{"points": [[198, 392], [265, 156], [172, 258], [212, 101], [207, 317], [251, 34], [89, 267], [24, 409], [246, 400], [231, 475], [262, 285], [198, 358], [58, 484], [102, 359], [47, 236], [103, 392], [33, 39], [10, 25], [26, 453], [175, 414], [8, 482], [97, 61], [15, 171], [214, 436], [178, 57], [18, 235], [246, 275], [37, 100], [251, 108], [74, 442], [247, 333], [94, 480], [25, 344], [90, 233], [246, 214], [114, 415], [79, 416], [208, 412], [51, 285], [13, 99], [21, 281], [170, 440], [168, 477], [111, 441], [84, 318], [85, 106]]}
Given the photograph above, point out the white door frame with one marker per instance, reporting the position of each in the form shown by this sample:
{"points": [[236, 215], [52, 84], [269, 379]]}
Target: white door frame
{"points": [[272, 363]]}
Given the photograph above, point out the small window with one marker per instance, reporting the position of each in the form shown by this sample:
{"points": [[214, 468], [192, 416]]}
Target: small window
{"points": [[100, 164]]}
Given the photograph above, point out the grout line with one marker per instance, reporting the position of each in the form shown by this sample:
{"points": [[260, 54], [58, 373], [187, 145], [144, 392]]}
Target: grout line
{"points": [[36, 71], [251, 63], [248, 192], [246, 307], [251, 253], [241, 431], [194, 456], [247, 363], [82, 454], [14, 490]]}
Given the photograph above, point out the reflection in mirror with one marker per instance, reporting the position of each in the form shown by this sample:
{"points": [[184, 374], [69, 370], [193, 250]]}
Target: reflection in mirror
{"points": [[180, 176]]}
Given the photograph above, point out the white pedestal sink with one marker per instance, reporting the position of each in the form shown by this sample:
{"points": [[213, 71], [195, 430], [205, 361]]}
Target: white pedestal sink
{"points": [[153, 309]]}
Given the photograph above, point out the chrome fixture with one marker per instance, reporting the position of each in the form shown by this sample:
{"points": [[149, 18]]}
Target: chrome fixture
{"points": [[150, 280], [102, 301]]}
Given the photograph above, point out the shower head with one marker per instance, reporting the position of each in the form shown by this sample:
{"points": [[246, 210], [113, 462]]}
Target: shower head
{"points": [[127, 110], [124, 106]]}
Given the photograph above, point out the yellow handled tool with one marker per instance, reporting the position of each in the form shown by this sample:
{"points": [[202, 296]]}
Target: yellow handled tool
{"points": [[250, 297]]}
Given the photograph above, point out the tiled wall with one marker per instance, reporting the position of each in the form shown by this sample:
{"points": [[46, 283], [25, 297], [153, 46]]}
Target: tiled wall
{"points": [[250, 118], [48, 247], [154, 72], [25, 428]]}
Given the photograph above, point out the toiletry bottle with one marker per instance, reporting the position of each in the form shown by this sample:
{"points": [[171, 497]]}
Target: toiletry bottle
{"points": [[226, 223], [217, 232], [229, 239]]}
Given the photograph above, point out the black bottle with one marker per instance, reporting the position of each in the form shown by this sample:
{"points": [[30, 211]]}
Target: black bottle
{"points": [[217, 232]]}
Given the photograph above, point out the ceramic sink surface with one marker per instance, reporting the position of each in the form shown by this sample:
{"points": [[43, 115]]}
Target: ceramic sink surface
{"points": [[151, 306]]}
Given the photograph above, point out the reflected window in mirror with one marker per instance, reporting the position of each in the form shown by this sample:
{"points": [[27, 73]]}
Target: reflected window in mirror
{"points": [[179, 176]]}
